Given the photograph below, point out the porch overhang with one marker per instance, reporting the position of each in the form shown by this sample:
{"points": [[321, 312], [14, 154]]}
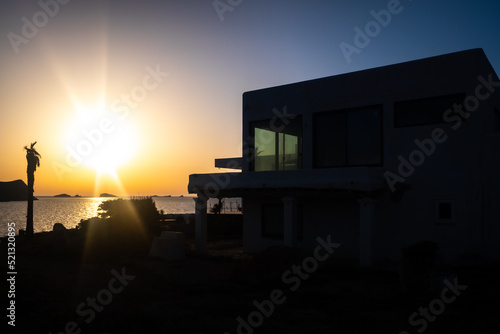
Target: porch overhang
{"points": [[356, 179], [358, 182]]}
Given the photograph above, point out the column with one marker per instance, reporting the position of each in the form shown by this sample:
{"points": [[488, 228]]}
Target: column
{"points": [[200, 228], [366, 220], [290, 221]]}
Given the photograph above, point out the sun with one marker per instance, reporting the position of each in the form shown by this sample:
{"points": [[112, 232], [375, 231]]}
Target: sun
{"points": [[114, 152], [101, 140]]}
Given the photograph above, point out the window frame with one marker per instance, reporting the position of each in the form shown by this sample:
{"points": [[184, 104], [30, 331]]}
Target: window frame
{"points": [[380, 109], [453, 98], [297, 122], [437, 219]]}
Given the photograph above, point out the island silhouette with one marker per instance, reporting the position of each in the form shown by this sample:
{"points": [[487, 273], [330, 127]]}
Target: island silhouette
{"points": [[107, 195], [16, 190]]}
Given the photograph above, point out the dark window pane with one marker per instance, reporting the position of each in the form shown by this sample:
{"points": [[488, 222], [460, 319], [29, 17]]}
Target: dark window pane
{"points": [[330, 139], [364, 137], [445, 211], [348, 137], [424, 111]]}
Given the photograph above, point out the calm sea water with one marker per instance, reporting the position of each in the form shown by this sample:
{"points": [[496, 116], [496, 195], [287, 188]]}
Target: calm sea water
{"points": [[69, 211]]}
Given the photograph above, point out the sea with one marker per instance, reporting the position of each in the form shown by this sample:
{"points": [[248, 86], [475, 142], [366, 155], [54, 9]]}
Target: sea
{"points": [[70, 210]]}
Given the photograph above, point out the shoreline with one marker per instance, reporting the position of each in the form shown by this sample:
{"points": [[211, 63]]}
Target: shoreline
{"points": [[184, 222], [70, 211]]}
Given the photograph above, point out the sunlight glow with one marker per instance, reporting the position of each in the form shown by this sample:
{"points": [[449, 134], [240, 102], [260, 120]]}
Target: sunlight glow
{"points": [[101, 140]]}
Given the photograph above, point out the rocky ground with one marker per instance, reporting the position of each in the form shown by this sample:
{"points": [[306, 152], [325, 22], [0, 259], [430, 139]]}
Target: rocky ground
{"points": [[226, 291]]}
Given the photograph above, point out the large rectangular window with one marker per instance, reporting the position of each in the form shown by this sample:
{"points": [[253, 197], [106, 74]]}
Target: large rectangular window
{"points": [[277, 144], [351, 137], [424, 111]]}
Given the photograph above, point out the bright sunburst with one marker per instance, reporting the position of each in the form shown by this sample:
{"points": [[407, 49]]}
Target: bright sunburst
{"points": [[101, 140]]}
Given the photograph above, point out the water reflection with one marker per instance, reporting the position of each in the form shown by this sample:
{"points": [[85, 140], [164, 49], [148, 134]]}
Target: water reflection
{"points": [[69, 211]]}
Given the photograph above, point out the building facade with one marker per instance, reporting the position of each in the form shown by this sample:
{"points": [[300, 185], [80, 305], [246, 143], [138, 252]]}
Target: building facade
{"points": [[379, 159]]}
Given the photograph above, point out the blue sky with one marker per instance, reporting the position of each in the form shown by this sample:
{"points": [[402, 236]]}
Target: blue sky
{"points": [[88, 50]]}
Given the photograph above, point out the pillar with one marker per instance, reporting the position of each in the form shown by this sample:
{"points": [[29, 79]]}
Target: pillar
{"points": [[200, 228]]}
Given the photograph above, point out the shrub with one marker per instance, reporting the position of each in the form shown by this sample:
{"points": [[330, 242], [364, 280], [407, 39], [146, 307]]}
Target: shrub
{"points": [[124, 226]]}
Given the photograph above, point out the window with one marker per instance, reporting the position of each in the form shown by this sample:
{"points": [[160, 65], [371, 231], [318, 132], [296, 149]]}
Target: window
{"points": [[424, 111], [351, 137], [445, 211], [277, 144]]}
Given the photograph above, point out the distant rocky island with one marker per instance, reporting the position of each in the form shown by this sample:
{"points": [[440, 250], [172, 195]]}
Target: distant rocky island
{"points": [[62, 195], [14, 191], [107, 195]]}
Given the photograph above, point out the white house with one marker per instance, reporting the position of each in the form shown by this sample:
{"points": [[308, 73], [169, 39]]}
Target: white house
{"points": [[379, 159]]}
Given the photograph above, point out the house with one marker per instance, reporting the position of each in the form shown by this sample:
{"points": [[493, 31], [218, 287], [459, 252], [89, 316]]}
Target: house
{"points": [[379, 159]]}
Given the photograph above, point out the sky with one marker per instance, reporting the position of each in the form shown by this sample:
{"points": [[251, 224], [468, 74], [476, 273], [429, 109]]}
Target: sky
{"points": [[131, 97]]}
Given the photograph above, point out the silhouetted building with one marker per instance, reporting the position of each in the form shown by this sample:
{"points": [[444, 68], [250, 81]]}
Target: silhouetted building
{"points": [[379, 159]]}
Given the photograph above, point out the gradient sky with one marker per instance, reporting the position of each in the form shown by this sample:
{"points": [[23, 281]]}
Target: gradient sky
{"points": [[65, 77]]}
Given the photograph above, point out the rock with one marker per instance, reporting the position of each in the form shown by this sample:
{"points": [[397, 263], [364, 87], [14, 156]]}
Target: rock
{"points": [[60, 237], [62, 195], [58, 227], [14, 191]]}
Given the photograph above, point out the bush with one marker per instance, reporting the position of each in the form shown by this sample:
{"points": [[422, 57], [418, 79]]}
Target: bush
{"points": [[139, 208], [124, 226]]}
